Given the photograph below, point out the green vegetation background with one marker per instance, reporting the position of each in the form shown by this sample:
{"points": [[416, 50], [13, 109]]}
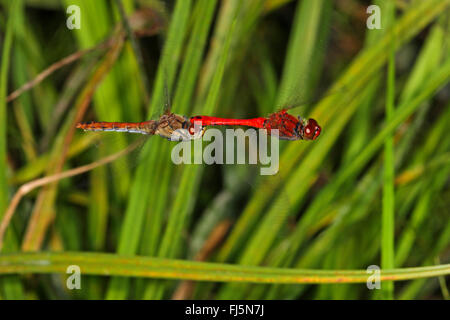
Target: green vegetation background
{"points": [[372, 190]]}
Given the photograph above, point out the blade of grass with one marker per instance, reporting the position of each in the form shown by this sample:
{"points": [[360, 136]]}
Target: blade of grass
{"points": [[12, 287], [118, 265], [388, 200]]}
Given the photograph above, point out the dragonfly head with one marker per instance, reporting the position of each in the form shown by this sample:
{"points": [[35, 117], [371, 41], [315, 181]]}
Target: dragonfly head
{"points": [[311, 130]]}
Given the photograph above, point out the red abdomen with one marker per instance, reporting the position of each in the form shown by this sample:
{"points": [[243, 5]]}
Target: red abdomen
{"points": [[214, 121]]}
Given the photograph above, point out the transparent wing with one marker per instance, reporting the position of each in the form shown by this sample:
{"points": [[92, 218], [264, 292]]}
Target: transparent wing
{"points": [[293, 103]]}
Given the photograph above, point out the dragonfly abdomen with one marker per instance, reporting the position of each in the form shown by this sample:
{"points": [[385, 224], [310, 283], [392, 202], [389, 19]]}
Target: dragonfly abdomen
{"points": [[214, 121], [146, 127]]}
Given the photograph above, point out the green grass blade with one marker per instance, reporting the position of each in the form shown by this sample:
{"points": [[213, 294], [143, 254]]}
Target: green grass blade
{"points": [[388, 200], [12, 288], [117, 265]]}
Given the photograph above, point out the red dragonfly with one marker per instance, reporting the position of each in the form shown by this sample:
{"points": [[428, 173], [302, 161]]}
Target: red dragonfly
{"points": [[288, 126], [176, 127]]}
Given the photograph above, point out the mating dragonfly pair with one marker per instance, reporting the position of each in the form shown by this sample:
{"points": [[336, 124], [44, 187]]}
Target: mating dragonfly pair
{"points": [[179, 128]]}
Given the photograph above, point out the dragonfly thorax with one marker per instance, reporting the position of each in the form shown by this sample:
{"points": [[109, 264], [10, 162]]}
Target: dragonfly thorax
{"points": [[175, 127]]}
